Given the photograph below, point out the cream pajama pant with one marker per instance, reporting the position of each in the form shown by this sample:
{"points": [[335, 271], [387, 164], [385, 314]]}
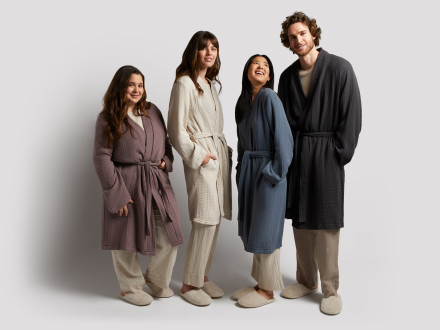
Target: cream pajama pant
{"points": [[266, 271], [317, 250], [160, 266], [199, 253]]}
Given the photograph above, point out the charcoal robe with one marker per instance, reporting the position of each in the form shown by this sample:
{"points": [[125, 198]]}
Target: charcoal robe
{"points": [[326, 127]]}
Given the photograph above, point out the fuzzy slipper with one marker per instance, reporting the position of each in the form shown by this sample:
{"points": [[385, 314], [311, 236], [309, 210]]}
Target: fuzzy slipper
{"points": [[197, 297], [253, 300], [159, 292], [331, 305], [242, 292], [140, 298], [296, 290], [213, 290]]}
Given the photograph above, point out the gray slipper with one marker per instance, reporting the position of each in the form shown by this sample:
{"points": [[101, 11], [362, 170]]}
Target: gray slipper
{"points": [[242, 292], [139, 298], [253, 300], [197, 297], [213, 290], [296, 290], [331, 305]]}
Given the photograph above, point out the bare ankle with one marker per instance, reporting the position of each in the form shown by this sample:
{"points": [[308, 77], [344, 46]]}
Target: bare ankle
{"points": [[187, 287], [268, 294]]}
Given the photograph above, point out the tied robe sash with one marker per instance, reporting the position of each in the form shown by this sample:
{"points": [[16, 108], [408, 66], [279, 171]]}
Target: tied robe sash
{"points": [[150, 171]]}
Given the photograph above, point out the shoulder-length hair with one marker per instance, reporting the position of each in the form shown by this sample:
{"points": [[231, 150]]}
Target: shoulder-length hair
{"points": [[246, 87], [189, 66], [115, 107]]}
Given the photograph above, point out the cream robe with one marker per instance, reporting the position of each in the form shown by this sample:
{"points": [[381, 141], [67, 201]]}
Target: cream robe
{"points": [[195, 127]]}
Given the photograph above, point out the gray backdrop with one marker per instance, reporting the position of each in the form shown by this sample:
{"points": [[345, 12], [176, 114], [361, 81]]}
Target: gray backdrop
{"points": [[57, 60]]}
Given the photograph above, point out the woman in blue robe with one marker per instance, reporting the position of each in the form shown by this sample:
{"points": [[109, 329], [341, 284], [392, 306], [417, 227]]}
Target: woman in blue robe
{"points": [[265, 150]]}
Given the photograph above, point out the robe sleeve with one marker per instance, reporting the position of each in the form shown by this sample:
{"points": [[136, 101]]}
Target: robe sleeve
{"points": [[276, 169], [180, 105], [168, 157], [115, 193], [240, 152], [349, 127]]}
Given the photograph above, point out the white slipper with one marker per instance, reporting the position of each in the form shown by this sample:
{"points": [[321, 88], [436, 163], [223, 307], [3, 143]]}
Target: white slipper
{"points": [[253, 300], [296, 290], [197, 297], [213, 290], [242, 292], [140, 298], [331, 305]]}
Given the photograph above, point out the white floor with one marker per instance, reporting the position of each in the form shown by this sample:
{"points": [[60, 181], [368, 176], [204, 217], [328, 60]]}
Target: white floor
{"points": [[84, 292]]}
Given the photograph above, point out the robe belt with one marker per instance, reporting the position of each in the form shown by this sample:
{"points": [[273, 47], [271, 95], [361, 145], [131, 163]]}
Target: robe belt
{"points": [[243, 170], [297, 169], [219, 136], [150, 169]]}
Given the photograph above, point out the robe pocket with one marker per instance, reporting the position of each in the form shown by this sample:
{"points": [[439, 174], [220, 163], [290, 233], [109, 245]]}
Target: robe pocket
{"points": [[274, 185], [210, 163]]}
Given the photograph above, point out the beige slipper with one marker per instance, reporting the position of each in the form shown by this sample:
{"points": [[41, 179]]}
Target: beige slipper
{"points": [[242, 292], [159, 292], [139, 298], [197, 297], [253, 300], [296, 290], [331, 305], [213, 290]]}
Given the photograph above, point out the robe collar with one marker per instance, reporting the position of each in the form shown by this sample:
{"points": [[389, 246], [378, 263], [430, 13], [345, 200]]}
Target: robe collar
{"points": [[318, 67]]}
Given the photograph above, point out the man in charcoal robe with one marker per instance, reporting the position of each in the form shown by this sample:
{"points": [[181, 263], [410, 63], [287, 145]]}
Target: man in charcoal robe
{"points": [[321, 98]]}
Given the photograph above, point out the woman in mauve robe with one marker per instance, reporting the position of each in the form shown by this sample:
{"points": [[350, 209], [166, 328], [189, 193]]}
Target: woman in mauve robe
{"points": [[195, 123], [265, 148], [132, 157]]}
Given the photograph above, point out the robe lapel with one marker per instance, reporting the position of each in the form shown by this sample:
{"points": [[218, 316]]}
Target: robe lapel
{"points": [[307, 101]]}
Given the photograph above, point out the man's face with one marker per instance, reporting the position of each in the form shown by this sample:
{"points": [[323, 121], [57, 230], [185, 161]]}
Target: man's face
{"points": [[300, 39]]}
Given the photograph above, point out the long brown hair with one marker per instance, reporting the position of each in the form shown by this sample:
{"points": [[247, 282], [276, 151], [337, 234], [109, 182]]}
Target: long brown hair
{"points": [[115, 108], [189, 66]]}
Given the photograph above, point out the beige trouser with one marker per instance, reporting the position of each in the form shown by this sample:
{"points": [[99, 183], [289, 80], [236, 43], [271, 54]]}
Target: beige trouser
{"points": [[199, 253], [266, 271], [317, 250], [160, 266]]}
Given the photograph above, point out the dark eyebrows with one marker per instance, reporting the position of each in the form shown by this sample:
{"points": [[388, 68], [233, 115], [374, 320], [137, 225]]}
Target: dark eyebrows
{"points": [[263, 62], [294, 35], [134, 83]]}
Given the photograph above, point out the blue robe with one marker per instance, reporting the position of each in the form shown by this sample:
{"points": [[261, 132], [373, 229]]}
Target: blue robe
{"points": [[265, 151]]}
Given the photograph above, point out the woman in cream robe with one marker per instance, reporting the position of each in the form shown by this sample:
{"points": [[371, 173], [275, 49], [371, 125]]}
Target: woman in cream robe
{"points": [[195, 125]]}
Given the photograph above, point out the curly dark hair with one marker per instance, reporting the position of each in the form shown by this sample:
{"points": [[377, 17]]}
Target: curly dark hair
{"points": [[189, 65], [115, 109], [299, 16]]}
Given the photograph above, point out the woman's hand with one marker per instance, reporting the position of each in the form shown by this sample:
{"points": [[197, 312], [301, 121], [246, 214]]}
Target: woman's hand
{"points": [[207, 158], [124, 210], [162, 165], [230, 150]]}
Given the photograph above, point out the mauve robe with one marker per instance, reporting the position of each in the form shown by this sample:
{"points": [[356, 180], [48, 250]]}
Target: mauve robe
{"points": [[130, 170], [326, 127], [265, 150]]}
